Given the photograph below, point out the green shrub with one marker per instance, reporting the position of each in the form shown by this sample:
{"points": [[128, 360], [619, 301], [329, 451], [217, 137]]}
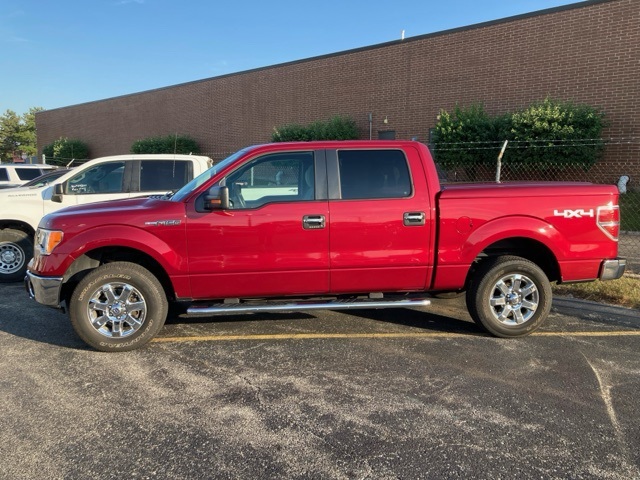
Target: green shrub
{"points": [[468, 137], [546, 133], [65, 149], [167, 144], [552, 133], [336, 128]]}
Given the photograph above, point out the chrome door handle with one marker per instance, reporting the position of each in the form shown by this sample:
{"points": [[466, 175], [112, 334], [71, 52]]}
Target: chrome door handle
{"points": [[313, 222], [412, 219]]}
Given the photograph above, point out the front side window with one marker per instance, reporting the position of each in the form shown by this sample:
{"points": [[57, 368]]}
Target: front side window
{"points": [[368, 174], [280, 177], [103, 178], [164, 175]]}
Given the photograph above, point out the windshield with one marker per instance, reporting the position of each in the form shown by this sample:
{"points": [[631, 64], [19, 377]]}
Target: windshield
{"points": [[203, 177]]}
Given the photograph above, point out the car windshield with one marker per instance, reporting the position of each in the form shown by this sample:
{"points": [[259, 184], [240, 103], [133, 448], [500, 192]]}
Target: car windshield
{"points": [[202, 178]]}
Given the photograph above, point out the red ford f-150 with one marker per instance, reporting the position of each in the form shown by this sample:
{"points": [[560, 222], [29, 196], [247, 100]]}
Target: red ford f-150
{"points": [[322, 225]]}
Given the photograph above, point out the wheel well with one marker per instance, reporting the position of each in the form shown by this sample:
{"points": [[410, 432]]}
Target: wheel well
{"points": [[93, 259], [532, 250], [17, 225]]}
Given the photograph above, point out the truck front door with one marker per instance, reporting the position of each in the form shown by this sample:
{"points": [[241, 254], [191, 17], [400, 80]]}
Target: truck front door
{"points": [[275, 238]]}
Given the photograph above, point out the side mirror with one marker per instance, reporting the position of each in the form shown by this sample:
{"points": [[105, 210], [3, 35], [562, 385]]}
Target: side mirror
{"points": [[58, 191], [217, 198]]}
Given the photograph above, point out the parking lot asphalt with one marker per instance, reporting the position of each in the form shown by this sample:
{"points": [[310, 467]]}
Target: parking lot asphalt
{"points": [[413, 393]]}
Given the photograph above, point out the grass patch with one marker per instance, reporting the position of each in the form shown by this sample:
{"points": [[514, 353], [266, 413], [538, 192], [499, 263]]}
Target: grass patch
{"points": [[625, 291], [630, 211]]}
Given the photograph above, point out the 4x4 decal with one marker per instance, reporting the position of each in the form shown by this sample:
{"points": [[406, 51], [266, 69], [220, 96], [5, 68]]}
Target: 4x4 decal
{"points": [[579, 213]]}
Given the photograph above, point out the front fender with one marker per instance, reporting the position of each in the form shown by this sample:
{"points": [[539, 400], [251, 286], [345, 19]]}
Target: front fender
{"points": [[166, 245]]}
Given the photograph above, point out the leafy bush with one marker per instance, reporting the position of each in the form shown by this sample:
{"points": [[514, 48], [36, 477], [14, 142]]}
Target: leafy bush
{"points": [[546, 133], [66, 149], [336, 128], [467, 137], [551, 132], [167, 144]]}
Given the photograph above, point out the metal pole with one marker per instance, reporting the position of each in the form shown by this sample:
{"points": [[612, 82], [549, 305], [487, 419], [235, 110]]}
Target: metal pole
{"points": [[499, 167]]}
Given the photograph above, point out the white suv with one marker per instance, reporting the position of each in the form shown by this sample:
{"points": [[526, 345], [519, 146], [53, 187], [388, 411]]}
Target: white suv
{"points": [[98, 180], [15, 174]]}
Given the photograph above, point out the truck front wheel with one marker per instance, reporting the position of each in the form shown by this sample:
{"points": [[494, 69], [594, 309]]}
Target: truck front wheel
{"points": [[119, 306], [509, 296], [16, 249]]}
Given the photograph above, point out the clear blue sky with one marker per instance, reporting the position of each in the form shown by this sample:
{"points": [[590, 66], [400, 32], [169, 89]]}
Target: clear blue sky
{"points": [[65, 52]]}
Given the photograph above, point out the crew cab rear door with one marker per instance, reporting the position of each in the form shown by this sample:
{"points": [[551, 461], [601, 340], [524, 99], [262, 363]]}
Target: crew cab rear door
{"points": [[275, 238], [380, 220]]}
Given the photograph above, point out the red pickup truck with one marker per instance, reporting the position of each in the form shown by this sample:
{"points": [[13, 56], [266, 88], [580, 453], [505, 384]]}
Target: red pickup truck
{"points": [[322, 225]]}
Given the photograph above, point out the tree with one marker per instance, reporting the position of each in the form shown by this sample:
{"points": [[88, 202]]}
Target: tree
{"points": [[18, 134]]}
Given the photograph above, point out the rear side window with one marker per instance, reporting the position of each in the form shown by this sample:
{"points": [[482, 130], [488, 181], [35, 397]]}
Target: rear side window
{"points": [[164, 175], [28, 173], [366, 174], [4, 175]]}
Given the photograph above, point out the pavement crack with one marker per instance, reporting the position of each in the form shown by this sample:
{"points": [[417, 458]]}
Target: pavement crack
{"points": [[605, 393]]}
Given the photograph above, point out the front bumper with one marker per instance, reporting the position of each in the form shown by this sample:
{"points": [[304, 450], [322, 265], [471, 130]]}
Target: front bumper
{"points": [[612, 269], [44, 290]]}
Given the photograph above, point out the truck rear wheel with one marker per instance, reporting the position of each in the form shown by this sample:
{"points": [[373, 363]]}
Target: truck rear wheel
{"points": [[509, 296], [119, 306], [16, 249]]}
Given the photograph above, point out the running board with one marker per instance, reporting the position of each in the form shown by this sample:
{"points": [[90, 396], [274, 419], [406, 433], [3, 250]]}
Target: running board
{"points": [[226, 308]]}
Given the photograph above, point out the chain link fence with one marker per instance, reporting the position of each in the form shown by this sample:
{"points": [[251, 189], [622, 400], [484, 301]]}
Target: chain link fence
{"points": [[620, 166]]}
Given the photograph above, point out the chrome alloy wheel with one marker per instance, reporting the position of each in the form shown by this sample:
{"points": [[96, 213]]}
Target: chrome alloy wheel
{"points": [[514, 299], [116, 310], [11, 258]]}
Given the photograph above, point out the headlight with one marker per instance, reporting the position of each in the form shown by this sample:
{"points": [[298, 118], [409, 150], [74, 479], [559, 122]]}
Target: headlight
{"points": [[47, 240]]}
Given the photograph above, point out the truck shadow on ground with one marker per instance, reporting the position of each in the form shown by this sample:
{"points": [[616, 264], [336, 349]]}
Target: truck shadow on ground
{"points": [[332, 321]]}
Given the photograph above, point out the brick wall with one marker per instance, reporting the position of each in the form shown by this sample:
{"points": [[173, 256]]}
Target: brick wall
{"points": [[587, 53]]}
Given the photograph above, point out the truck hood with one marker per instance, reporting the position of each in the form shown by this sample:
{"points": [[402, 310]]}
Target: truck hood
{"points": [[135, 212]]}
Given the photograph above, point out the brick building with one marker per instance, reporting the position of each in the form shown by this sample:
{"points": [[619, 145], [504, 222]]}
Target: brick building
{"points": [[587, 52]]}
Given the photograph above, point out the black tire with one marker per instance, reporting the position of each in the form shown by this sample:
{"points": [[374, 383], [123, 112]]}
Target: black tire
{"points": [[16, 249], [509, 296], [118, 307]]}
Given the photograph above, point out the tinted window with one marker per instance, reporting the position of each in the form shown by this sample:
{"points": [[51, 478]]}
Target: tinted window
{"points": [[164, 175], [28, 173], [4, 175], [279, 177], [373, 174], [103, 178]]}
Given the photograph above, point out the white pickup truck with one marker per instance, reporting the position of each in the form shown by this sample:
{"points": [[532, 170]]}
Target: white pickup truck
{"points": [[106, 178]]}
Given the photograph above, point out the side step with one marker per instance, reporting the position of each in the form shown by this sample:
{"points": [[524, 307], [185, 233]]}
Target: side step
{"points": [[227, 308]]}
